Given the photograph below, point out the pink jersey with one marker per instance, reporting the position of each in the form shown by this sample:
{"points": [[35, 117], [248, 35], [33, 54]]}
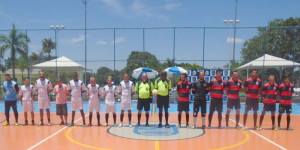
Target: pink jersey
{"points": [[61, 94]]}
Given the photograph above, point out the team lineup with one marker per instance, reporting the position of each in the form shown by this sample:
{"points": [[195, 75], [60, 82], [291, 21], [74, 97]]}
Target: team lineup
{"points": [[160, 89]]}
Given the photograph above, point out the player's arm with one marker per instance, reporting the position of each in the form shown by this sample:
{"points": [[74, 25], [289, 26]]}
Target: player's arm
{"points": [[33, 94], [136, 88], [83, 88], [50, 87], [21, 97], [132, 89], [120, 89], [17, 88], [261, 92]]}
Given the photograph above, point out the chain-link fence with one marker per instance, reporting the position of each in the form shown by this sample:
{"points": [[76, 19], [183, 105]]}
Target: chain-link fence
{"points": [[115, 51]]}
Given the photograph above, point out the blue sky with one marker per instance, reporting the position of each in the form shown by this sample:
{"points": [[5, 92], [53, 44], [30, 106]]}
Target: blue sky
{"points": [[40, 14]]}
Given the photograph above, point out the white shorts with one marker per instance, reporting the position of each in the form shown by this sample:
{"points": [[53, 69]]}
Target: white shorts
{"points": [[76, 105], [94, 105], [44, 103], [126, 106], [110, 108], [28, 106]]}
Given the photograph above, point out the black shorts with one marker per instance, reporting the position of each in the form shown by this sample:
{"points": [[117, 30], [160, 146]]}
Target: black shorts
{"points": [[285, 108], [9, 104], [61, 109], [198, 104], [162, 101], [269, 107], [216, 104], [144, 103], [183, 106], [251, 103], [236, 103]]}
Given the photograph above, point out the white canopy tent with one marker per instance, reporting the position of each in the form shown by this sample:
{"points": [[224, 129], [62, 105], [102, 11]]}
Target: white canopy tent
{"points": [[268, 61], [62, 64]]}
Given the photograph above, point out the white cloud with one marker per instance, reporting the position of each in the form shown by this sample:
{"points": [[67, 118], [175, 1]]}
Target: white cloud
{"points": [[100, 42], [237, 40], [115, 5], [171, 6], [119, 40], [141, 9], [78, 39]]}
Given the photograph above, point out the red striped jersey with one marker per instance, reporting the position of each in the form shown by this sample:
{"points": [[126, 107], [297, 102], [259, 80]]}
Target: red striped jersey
{"points": [[217, 88], [286, 92], [253, 86], [270, 93], [234, 88], [184, 90]]}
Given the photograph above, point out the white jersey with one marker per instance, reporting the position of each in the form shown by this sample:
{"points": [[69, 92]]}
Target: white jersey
{"points": [[42, 88], [27, 92], [110, 93], [93, 92], [126, 89], [76, 89]]}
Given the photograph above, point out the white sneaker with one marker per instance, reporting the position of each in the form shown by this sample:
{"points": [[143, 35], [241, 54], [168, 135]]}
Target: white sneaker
{"points": [[193, 127], [130, 126], [49, 124], [121, 125]]}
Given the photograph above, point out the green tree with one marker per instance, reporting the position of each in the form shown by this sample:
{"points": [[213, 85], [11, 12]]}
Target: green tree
{"points": [[15, 42], [278, 39], [48, 46], [136, 60]]}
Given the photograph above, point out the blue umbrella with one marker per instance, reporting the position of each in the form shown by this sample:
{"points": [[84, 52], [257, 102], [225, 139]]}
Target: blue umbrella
{"points": [[137, 73], [175, 71]]}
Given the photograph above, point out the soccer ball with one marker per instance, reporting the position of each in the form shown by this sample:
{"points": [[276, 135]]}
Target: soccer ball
{"points": [[154, 92]]}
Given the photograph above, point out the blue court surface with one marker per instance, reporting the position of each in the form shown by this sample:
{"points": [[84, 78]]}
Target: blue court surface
{"points": [[172, 108]]}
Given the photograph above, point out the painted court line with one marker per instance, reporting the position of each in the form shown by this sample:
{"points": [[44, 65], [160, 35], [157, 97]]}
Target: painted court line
{"points": [[261, 136], [52, 135]]}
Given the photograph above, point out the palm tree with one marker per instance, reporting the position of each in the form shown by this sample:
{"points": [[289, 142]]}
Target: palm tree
{"points": [[16, 43], [48, 46]]}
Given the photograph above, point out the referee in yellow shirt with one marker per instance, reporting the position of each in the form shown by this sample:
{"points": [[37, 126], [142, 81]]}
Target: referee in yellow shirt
{"points": [[163, 86], [143, 89]]}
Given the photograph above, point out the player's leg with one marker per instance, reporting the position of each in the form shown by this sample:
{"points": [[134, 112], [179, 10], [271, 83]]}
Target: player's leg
{"points": [[203, 113], [139, 108], [106, 118], [255, 115], [129, 117], [237, 119], [179, 118], [160, 109], [48, 116], [32, 118], [195, 114], [273, 119], [261, 119], [41, 117], [98, 118], [7, 108], [166, 108], [187, 117], [147, 109], [288, 119], [25, 117], [115, 118], [83, 117], [227, 117], [14, 107], [211, 112], [73, 116], [90, 118], [220, 109], [121, 118], [61, 120]]}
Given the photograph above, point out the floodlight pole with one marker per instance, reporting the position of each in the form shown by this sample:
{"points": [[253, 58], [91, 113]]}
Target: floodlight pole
{"points": [[85, 41], [234, 35]]}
